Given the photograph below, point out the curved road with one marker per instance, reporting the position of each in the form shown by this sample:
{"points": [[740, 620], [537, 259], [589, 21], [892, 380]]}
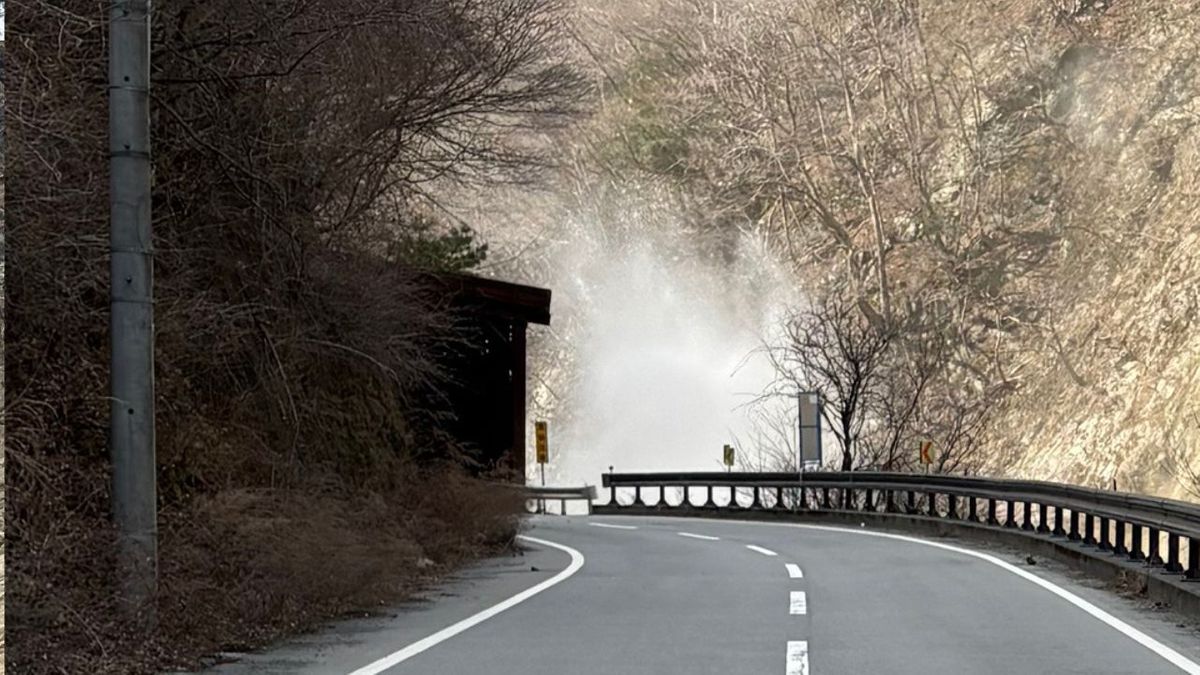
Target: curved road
{"points": [[671, 595]]}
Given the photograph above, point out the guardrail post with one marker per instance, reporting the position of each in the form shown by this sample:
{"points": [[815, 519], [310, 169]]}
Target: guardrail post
{"points": [[991, 513], [932, 511], [1010, 517], [1119, 541], [912, 503], [1135, 552], [637, 496], [1027, 516], [755, 504], [825, 498], [972, 509], [1193, 570], [1089, 524], [1043, 518], [889, 505], [708, 498], [1076, 526], [1058, 530], [869, 502], [779, 497], [1105, 535], [1173, 553], [1152, 556]]}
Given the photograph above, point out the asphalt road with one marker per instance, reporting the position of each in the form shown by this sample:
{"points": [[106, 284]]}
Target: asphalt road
{"points": [[667, 595]]}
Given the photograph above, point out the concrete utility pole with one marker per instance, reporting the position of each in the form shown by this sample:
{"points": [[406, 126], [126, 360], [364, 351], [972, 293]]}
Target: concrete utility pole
{"points": [[132, 303]]}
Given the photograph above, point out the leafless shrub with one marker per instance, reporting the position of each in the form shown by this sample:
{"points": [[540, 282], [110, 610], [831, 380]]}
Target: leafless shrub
{"points": [[834, 350], [884, 391]]}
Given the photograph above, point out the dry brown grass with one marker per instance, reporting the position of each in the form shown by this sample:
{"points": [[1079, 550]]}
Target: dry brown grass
{"points": [[242, 567]]}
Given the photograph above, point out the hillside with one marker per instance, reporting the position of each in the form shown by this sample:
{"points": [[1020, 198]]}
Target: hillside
{"points": [[1111, 388], [1013, 182]]}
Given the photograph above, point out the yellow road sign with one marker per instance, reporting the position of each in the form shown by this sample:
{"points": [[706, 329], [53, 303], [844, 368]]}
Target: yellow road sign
{"points": [[543, 446], [927, 452], [728, 455]]}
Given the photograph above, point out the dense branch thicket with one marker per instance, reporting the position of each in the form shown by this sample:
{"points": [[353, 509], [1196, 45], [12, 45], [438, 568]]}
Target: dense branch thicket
{"points": [[297, 148]]}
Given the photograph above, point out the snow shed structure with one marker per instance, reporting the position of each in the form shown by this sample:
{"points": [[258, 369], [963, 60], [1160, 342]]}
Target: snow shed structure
{"points": [[488, 392]]}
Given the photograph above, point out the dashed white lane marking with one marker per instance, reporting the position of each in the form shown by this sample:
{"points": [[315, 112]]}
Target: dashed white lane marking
{"points": [[1175, 658], [705, 537], [794, 571], [759, 549], [615, 527], [799, 604], [450, 631], [797, 657]]}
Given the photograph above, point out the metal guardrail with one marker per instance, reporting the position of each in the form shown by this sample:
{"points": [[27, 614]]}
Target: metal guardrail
{"points": [[1156, 531], [562, 494]]}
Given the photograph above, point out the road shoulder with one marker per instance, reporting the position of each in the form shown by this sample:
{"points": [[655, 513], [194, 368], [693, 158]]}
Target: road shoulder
{"points": [[343, 646]]}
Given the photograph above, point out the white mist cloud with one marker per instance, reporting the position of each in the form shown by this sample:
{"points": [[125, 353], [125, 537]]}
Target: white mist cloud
{"points": [[664, 340]]}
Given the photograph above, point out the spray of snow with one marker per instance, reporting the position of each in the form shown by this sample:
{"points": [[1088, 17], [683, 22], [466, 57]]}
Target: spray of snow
{"points": [[665, 342]]}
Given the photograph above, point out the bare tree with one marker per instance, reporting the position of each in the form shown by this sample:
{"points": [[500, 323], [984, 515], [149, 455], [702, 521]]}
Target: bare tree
{"points": [[913, 364], [833, 349]]}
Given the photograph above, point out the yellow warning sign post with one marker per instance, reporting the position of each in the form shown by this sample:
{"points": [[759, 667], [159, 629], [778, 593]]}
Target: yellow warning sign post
{"points": [[542, 446], [729, 456]]}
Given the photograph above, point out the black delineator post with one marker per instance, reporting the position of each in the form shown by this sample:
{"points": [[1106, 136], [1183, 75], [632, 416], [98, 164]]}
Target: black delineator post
{"points": [[612, 489]]}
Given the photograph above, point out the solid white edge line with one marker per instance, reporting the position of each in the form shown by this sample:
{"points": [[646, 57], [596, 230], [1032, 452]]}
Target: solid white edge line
{"points": [[797, 657], [1175, 658], [799, 603], [759, 549], [452, 630], [615, 527], [705, 537], [794, 571]]}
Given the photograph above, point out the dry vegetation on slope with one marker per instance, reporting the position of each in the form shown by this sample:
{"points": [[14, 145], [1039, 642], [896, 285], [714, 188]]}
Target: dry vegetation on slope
{"points": [[1111, 387], [1012, 183], [301, 469]]}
